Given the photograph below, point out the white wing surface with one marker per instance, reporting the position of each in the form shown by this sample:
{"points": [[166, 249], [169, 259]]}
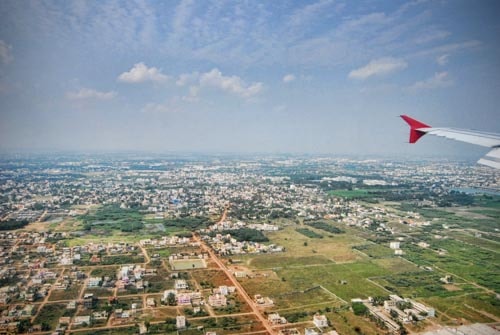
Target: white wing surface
{"points": [[490, 140]]}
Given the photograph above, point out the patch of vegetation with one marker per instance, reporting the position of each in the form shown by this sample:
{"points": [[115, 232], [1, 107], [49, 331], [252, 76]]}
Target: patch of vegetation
{"points": [[247, 234], [112, 217], [13, 224], [324, 226], [350, 194], [50, 314], [188, 222], [359, 308], [309, 233]]}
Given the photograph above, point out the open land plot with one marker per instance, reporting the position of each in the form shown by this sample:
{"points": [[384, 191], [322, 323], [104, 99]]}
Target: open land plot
{"points": [[104, 271], [71, 293], [479, 242], [454, 218], [347, 281], [396, 265], [346, 323], [271, 286], [227, 325], [461, 260], [316, 296], [50, 314], [451, 309], [352, 194], [128, 330], [185, 264], [158, 313], [375, 250], [210, 278], [335, 247], [421, 284], [100, 291], [158, 283]]}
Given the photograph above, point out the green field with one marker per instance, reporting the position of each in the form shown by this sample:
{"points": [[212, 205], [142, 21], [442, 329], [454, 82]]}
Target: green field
{"points": [[351, 194]]}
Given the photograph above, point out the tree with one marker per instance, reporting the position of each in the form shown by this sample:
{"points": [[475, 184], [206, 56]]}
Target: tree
{"points": [[359, 308], [171, 299]]}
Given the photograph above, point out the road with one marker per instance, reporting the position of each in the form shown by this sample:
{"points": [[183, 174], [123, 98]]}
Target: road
{"points": [[235, 283]]}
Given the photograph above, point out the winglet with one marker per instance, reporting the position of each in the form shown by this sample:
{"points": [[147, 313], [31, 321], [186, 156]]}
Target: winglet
{"points": [[415, 126]]}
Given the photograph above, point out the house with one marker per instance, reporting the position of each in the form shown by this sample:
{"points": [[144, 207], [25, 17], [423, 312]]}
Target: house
{"points": [[310, 331], [180, 322], [276, 319], [181, 284], [150, 302], [64, 320], [320, 321], [103, 315], [94, 282], [88, 302], [81, 320], [183, 299], [217, 300]]}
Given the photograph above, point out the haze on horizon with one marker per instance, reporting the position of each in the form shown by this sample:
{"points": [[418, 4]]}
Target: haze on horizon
{"points": [[318, 76]]}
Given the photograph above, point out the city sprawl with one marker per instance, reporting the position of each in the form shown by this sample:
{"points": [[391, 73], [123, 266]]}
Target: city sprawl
{"points": [[136, 243]]}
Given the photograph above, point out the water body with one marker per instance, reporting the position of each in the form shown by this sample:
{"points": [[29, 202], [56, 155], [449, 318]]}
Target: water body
{"points": [[475, 191]]}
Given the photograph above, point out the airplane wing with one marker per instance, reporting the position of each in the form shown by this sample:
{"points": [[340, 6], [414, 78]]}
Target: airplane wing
{"points": [[490, 140]]}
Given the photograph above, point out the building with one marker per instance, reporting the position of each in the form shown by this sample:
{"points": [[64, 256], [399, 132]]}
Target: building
{"points": [[181, 284], [180, 322], [320, 321], [276, 319], [217, 300], [394, 245]]}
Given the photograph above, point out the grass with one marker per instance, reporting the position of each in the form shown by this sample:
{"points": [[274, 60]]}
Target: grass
{"points": [[347, 281], [50, 314], [461, 260], [70, 293], [351, 194]]}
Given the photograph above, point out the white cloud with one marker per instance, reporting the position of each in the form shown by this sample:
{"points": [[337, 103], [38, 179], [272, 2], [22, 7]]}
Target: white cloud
{"points": [[379, 66], [439, 80], [309, 12], [5, 53], [288, 78], [431, 35], [155, 108], [88, 93], [443, 59], [193, 94], [140, 73], [449, 48], [187, 78], [232, 84]]}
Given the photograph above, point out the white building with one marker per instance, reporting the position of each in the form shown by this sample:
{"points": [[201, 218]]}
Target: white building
{"points": [[180, 322], [394, 245], [320, 321]]}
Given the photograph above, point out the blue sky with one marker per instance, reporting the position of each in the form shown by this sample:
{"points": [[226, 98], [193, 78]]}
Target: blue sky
{"points": [[321, 76]]}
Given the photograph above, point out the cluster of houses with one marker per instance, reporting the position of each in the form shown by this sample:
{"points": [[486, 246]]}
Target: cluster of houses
{"points": [[182, 295], [228, 245], [397, 310], [165, 241], [319, 321]]}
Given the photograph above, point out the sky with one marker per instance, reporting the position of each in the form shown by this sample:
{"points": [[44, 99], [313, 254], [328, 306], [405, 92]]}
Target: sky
{"points": [[321, 76]]}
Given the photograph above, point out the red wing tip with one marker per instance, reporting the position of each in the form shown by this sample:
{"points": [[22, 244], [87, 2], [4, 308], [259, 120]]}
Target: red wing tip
{"points": [[415, 134], [413, 123]]}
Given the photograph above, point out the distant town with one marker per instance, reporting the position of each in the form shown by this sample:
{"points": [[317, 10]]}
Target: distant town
{"points": [[155, 244]]}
